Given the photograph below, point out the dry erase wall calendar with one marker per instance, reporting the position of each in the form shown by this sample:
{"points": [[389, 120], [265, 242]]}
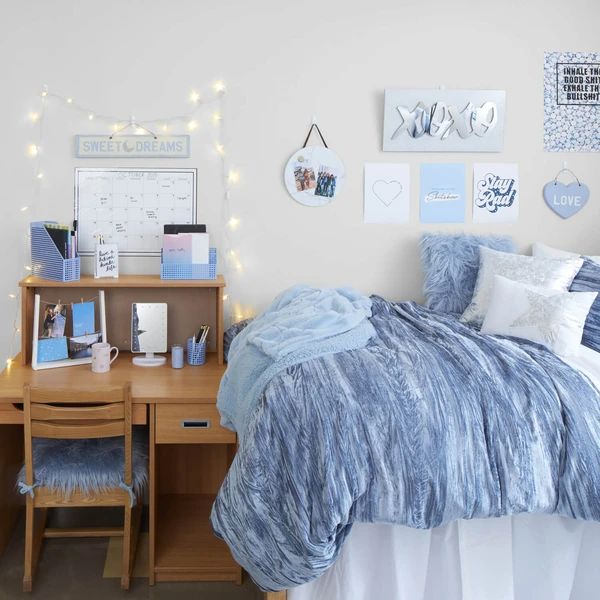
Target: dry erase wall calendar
{"points": [[129, 207]]}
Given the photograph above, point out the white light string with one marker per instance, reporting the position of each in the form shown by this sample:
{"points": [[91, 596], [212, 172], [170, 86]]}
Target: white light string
{"points": [[119, 121], [229, 256], [230, 261]]}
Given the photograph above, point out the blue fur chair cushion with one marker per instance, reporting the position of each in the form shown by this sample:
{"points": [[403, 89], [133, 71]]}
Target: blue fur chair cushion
{"points": [[588, 280], [450, 265], [88, 465]]}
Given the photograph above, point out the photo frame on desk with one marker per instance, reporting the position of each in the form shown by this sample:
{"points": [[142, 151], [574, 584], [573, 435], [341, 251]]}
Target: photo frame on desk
{"points": [[56, 349]]}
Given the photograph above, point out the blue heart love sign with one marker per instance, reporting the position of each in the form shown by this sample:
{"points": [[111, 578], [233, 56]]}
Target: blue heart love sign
{"points": [[566, 200]]}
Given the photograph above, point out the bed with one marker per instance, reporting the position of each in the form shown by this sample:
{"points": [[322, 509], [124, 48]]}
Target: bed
{"points": [[424, 463], [520, 557]]}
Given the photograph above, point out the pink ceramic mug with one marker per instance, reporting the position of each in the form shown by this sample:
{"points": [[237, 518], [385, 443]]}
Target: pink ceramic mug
{"points": [[101, 359]]}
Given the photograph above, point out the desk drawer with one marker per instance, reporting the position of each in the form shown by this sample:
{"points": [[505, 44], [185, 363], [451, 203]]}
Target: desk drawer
{"points": [[190, 424]]}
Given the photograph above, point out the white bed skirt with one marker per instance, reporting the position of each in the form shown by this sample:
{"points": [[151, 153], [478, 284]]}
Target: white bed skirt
{"points": [[525, 557]]}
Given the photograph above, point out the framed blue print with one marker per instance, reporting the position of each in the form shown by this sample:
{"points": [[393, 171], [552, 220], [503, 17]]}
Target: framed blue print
{"points": [[443, 193]]}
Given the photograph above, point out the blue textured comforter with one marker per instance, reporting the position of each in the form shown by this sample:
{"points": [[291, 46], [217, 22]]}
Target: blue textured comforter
{"points": [[431, 422]]}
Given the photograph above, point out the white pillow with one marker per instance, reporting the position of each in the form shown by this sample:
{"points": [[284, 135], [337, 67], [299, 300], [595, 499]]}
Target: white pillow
{"points": [[543, 272], [542, 251], [554, 319]]}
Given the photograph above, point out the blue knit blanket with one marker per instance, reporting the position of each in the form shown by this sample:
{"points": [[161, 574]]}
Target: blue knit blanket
{"points": [[301, 324], [430, 423]]}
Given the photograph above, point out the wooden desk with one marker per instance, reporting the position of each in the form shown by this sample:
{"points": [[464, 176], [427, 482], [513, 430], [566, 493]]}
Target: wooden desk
{"points": [[189, 451], [148, 385]]}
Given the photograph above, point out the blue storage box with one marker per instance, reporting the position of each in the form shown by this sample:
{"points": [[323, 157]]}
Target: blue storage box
{"points": [[189, 271], [46, 259]]}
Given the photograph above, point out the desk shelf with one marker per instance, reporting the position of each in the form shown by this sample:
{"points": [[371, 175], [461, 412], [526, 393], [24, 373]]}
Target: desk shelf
{"points": [[186, 474], [185, 299], [186, 548], [136, 281]]}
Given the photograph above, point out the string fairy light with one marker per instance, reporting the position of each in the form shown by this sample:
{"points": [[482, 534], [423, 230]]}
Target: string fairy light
{"points": [[33, 151], [230, 261], [233, 223]]}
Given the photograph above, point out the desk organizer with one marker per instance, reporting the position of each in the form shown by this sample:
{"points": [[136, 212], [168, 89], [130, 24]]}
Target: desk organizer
{"points": [[196, 352], [47, 261], [189, 271]]}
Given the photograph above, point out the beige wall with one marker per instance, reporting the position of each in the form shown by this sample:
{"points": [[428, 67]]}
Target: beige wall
{"points": [[285, 62]]}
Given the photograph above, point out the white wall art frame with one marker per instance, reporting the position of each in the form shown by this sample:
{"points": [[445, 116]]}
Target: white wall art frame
{"points": [[437, 120], [67, 362], [387, 193], [572, 102], [495, 192]]}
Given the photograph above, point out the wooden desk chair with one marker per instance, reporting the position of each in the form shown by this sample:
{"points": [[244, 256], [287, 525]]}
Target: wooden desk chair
{"points": [[82, 462]]}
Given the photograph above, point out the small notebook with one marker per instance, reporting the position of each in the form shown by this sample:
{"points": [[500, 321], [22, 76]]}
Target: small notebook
{"points": [[177, 249], [185, 248]]}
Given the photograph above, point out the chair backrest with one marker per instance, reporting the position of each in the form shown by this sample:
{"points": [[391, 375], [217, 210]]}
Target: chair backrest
{"points": [[71, 413]]}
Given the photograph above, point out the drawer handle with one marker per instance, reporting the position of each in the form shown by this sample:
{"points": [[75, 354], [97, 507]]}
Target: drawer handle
{"points": [[196, 424]]}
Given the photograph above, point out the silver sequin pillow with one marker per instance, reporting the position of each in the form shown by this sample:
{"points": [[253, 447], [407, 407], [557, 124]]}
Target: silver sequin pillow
{"points": [[554, 319], [547, 273]]}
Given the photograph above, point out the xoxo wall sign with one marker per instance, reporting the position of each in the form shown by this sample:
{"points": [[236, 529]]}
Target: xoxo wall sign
{"points": [[441, 120], [444, 120]]}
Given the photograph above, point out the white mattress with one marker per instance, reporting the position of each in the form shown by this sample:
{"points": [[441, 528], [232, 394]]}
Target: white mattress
{"points": [[523, 557]]}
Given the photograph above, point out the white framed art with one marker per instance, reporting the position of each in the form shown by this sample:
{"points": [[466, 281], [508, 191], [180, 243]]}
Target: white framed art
{"points": [[572, 102], [129, 206], [38, 364], [387, 193], [495, 192]]}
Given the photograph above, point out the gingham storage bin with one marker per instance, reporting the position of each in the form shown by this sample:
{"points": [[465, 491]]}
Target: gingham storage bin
{"points": [[47, 261], [208, 271]]}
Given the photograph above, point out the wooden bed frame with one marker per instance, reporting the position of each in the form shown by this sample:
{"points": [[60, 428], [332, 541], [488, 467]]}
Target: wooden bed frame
{"points": [[275, 595]]}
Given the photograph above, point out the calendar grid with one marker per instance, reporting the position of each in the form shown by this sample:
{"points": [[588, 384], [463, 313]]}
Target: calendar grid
{"points": [[128, 206]]}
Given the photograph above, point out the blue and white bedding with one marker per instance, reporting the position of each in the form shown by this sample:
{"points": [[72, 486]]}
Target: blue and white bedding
{"points": [[302, 323], [430, 422]]}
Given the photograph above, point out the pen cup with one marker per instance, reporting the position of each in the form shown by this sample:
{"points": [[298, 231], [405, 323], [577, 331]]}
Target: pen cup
{"points": [[196, 352]]}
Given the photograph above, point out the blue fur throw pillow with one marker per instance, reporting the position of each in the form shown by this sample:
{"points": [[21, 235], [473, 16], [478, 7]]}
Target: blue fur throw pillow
{"points": [[451, 263]]}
